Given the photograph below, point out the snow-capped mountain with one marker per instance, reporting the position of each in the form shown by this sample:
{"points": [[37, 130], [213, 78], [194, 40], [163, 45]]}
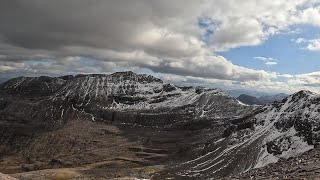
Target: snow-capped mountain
{"points": [[126, 91], [293, 127], [198, 133], [273, 132]]}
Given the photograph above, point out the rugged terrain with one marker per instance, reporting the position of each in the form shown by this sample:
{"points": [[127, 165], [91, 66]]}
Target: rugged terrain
{"points": [[128, 125], [304, 166]]}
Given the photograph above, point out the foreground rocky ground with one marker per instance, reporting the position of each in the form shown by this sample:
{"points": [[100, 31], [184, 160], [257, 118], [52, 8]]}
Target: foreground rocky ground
{"points": [[6, 177], [305, 166], [91, 150]]}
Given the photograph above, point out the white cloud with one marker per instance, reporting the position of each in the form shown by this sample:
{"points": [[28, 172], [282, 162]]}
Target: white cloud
{"points": [[251, 22], [310, 79], [239, 32], [300, 40], [284, 82], [271, 63], [285, 75], [314, 45], [267, 60], [311, 45]]}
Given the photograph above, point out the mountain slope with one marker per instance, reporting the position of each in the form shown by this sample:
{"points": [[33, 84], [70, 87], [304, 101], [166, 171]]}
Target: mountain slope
{"points": [[134, 123], [146, 120], [250, 100], [305, 166], [280, 130]]}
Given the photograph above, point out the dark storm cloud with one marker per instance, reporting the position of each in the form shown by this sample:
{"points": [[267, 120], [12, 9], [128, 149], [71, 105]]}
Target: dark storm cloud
{"points": [[42, 24], [45, 24]]}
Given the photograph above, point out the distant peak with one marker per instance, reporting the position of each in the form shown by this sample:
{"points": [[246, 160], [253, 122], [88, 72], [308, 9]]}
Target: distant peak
{"points": [[245, 95], [125, 73], [304, 93], [300, 95]]}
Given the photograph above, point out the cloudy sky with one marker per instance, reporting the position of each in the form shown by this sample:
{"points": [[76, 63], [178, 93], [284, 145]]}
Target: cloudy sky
{"points": [[252, 44]]}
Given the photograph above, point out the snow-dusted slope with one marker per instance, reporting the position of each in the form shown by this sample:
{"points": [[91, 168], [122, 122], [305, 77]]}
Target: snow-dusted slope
{"points": [[131, 91], [127, 94], [125, 90], [280, 130], [33, 86], [290, 127]]}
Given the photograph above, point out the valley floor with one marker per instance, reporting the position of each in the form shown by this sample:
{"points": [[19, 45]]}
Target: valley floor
{"points": [[94, 150]]}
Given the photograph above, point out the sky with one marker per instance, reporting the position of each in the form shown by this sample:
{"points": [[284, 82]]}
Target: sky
{"points": [[254, 44]]}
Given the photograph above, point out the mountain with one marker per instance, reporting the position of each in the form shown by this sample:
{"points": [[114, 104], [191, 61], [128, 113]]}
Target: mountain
{"points": [[273, 98], [2, 80], [132, 121], [273, 132], [134, 125], [124, 91], [237, 92], [251, 100]]}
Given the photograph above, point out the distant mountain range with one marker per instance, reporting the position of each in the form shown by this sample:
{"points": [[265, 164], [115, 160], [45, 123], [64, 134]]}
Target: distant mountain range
{"points": [[2, 80], [266, 99], [237, 92]]}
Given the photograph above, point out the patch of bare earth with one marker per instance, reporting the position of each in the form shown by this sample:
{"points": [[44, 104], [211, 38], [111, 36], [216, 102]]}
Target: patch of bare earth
{"points": [[84, 150]]}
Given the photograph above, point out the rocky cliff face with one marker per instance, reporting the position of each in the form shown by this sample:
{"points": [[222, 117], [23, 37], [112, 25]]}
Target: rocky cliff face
{"points": [[196, 132]]}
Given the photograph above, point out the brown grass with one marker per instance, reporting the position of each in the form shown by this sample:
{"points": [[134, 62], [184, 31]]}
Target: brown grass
{"points": [[64, 175]]}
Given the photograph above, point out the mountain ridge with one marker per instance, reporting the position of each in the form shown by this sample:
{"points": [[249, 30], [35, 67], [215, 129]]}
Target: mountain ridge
{"points": [[262, 100], [196, 132]]}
